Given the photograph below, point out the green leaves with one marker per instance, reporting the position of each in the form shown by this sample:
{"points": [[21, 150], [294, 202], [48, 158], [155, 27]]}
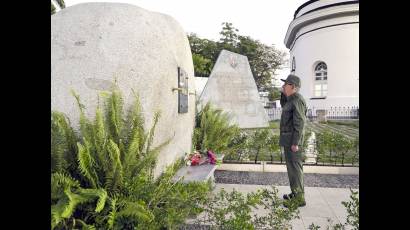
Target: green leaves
{"points": [[136, 210], [112, 214], [213, 129], [60, 182], [352, 207], [114, 176], [264, 60], [259, 144], [69, 201], [63, 144], [203, 66], [114, 115], [233, 210], [86, 164], [336, 148], [114, 159], [100, 194]]}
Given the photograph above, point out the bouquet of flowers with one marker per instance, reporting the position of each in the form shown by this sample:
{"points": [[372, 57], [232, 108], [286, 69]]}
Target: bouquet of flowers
{"points": [[211, 157], [194, 158]]}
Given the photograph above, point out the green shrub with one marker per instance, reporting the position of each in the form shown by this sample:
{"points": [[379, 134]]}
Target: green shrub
{"points": [[103, 178], [233, 210], [238, 146], [213, 130], [336, 148]]}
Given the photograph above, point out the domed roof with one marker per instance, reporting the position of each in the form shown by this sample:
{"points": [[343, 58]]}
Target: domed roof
{"points": [[314, 5], [314, 10]]}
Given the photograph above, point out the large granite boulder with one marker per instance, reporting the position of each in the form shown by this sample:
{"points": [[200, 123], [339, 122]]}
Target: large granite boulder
{"points": [[95, 44]]}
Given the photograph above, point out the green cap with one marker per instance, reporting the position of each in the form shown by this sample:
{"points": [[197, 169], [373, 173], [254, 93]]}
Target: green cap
{"points": [[292, 79]]}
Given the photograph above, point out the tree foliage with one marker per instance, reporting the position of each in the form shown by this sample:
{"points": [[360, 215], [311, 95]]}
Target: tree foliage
{"points": [[264, 60]]}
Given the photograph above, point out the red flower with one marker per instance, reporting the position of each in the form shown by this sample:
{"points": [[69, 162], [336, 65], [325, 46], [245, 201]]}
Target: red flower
{"points": [[211, 157]]}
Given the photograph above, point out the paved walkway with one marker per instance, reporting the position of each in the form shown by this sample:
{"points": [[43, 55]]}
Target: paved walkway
{"points": [[321, 203]]}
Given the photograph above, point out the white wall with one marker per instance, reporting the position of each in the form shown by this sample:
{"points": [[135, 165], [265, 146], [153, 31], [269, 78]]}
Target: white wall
{"points": [[338, 47]]}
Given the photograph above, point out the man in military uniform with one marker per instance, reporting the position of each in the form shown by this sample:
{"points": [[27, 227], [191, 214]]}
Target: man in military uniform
{"points": [[292, 124]]}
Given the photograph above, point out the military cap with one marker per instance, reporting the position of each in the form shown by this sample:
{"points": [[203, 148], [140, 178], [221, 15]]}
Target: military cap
{"points": [[292, 79]]}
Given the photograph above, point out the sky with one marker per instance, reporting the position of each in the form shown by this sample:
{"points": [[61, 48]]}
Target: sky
{"points": [[264, 20]]}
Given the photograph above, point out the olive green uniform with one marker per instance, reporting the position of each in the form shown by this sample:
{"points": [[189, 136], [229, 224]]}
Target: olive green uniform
{"points": [[292, 124]]}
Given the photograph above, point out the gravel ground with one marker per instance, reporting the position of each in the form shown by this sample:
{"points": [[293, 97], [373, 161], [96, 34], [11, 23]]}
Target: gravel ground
{"points": [[281, 179]]}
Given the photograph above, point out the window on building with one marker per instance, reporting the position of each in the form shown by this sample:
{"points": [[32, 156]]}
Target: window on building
{"points": [[320, 86], [293, 65]]}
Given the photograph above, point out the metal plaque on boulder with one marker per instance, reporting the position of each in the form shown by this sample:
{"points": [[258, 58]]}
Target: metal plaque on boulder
{"points": [[183, 92]]}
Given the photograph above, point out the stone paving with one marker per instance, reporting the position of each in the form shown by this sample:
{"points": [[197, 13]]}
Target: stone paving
{"points": [[323, 194]]}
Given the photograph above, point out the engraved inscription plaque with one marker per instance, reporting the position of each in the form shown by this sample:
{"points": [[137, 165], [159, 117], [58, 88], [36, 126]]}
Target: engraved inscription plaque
{"points": [[183, 92]]}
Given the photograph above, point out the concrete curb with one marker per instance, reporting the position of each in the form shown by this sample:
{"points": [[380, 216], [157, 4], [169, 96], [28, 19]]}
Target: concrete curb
{"points": [[282, 168]]}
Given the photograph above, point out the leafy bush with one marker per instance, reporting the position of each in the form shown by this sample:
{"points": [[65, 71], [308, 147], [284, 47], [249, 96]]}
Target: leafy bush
{"points": [[256, 145], [233, 210], [336, 148], [213, 130], [238, 146], [103, 178]]}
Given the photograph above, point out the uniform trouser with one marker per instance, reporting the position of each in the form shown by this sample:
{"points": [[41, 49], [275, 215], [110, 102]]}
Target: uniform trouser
{"points": [[294, 165]]}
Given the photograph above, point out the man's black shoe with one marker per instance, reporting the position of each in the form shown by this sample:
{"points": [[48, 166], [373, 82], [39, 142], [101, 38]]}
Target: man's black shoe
{"points": [[288, 196]]}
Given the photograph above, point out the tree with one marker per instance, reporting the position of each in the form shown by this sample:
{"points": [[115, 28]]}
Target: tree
{"points": [[264, 60], [274, 93], [204, 54], [203, 66], [229, 39]]}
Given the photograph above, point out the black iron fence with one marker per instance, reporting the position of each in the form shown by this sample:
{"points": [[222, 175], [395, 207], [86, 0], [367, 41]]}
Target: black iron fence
{"points": [[314, 113]]}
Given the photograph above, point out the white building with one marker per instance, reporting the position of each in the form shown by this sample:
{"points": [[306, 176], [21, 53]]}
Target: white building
{"points": [[323, 39]]}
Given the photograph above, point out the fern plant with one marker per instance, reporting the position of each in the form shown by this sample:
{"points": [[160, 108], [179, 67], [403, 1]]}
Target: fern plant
{"points": [[112, 186], [67, 195], [63, 144]]}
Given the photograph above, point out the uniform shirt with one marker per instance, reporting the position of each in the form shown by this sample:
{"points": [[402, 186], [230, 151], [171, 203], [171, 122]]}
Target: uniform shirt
{"points": [[292, 121]]}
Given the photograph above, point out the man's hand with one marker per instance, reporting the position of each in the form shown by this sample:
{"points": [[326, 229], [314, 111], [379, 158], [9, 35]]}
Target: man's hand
{"points": [[294, 148]]}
